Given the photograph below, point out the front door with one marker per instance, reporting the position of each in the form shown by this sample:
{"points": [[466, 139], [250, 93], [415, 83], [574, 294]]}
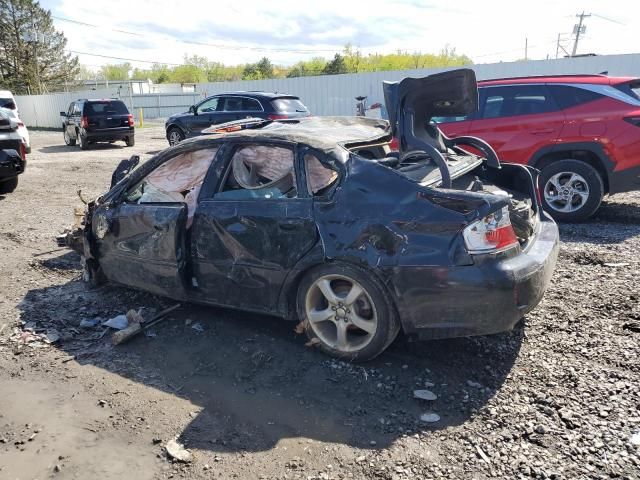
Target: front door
{"points": [[253, 230], [204, 117], [143, 245]]}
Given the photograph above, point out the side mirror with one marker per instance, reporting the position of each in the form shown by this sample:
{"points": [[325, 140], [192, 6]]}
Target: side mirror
{"points": [[192, 109], [63, 114]]}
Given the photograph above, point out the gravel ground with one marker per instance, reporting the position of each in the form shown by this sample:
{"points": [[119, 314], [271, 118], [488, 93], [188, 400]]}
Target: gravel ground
{"points": [[559, 397]]}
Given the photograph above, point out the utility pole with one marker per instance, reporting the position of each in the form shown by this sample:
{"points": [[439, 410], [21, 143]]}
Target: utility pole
{"points": [[577, 30], [526, 48]]}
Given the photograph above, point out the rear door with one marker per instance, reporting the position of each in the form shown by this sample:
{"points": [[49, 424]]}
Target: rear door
{"points": [[105, 115], [517, 120], [245, 241]]}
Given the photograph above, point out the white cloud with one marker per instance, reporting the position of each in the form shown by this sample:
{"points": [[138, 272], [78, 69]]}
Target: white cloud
{"points": [[487, 31]]}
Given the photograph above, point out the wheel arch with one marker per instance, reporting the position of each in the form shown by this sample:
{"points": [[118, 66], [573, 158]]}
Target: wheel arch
{"points": [[289, 293], [174, 125], [591, 153]]}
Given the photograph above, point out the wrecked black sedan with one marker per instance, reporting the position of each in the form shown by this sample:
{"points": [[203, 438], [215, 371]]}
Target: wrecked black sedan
{"points": [[285, 218]]}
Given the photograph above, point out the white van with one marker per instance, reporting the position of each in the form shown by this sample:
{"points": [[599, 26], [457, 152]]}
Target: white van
{"points": [[8, 103]]}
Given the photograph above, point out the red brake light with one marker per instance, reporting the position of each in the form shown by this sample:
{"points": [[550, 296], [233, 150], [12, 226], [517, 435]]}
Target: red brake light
{"points": [[394, 144], [274, 116], [23, 151], [84, 122], [130, 118], [633, 120], [491, 234]]}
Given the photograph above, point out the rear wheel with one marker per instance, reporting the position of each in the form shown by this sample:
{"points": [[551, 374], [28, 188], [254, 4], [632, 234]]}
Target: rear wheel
{"points": [[82, 142], [130, 141], [8, 186], [175, 136], [346, 312], [571, 190], [67, 138]]}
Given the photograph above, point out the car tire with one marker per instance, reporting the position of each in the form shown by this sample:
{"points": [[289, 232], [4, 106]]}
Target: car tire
{"points": [[174, 136], [82, 141], [67, 139], [130, 141], [8, 186], [571, 190], [349, 298]]}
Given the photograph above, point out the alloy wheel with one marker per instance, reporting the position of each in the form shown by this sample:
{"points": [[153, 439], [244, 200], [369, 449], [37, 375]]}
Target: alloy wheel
{"points": [[174, 137], [566, 192], [341, 313]]}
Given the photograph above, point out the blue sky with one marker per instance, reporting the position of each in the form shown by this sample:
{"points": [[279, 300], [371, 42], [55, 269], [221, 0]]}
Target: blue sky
{"points": [[289, 30]]}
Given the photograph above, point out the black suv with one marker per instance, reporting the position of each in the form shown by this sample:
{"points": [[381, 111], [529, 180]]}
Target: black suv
{"points": [[90, 121], [227, 107]]}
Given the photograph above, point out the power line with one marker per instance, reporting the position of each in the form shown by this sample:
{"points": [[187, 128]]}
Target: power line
{"points": [[204, 44], [126, 59]]}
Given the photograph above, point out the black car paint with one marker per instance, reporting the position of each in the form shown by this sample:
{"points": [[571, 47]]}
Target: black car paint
{"points": [[192, 123], [11, 163], [406, 235], [102, 127]]}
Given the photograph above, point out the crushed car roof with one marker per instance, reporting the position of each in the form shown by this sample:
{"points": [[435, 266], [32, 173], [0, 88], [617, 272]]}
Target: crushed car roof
{"points": [[323, 133]]}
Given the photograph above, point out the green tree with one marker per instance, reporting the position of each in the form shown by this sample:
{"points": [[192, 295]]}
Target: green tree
{"points": [[259, 70], [187, 74], [335, 66], [352, 58], [33, 55], [118, 71]]}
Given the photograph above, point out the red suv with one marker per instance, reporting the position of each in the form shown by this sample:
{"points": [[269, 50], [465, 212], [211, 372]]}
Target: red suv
{"points": [[581, 131]]}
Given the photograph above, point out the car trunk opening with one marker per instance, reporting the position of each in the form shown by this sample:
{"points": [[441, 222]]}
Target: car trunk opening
{"points": [[429, 158]]}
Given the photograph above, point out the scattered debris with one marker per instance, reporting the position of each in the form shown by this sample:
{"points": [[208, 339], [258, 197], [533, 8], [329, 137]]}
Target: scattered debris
{"points": [[632, 326], [430, 417], [90, 322], [178, 452], [424, 395], [314, 342], [52, 336], [635, 439], [299, 330], [614, 265], [198, 327], [483, 455], [119, 322], [137, 327]]}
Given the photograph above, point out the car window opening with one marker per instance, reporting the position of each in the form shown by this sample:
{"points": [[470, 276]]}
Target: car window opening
{"points": [[177, 180], [260, 171]]}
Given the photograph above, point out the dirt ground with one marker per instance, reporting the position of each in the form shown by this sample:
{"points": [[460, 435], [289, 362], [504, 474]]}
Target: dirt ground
{"points": [[559, 397]]}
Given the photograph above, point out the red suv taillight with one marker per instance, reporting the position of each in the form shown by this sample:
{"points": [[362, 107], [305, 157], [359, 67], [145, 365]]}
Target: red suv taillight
{"points": [[130, 120], [23, 151], [274, 116], [490, 234], [84, 122], [394, 144], [633, 120]]}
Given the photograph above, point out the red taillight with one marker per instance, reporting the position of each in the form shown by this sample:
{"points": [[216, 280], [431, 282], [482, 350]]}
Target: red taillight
{"points": [[23, 151], [394, 144], [84, 122], [491, 234], [130, 118], [633, 120], [273, 116]]}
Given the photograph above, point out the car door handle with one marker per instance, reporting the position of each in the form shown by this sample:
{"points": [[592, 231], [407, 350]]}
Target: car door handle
{"points": [[542, 132], [288, 226]]}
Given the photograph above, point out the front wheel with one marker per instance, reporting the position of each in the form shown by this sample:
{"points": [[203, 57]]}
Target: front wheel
{"points": [[67, 138], [346, 312], [572, 190], [175, 136]]}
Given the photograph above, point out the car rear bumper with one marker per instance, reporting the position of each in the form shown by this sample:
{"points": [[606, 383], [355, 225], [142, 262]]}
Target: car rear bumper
{"points": [[107, 134], [490, 296], [10, 168]]}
